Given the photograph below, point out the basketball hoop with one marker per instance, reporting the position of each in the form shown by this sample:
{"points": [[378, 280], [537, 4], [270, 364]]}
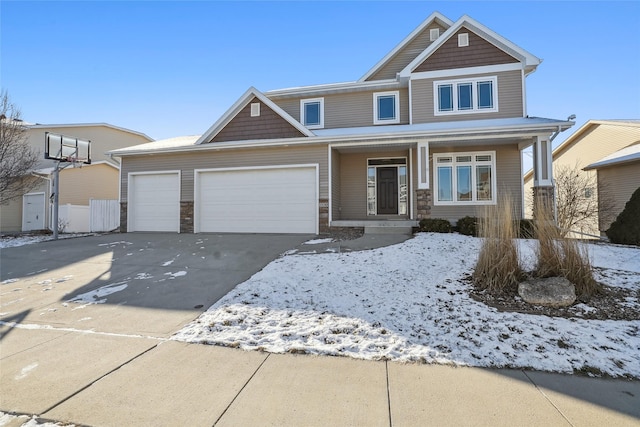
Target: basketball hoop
{"points": [[76, 162]]}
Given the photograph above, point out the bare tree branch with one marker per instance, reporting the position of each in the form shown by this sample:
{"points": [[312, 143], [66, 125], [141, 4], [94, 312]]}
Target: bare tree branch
{"points": [[578, 202], [17, 159]]}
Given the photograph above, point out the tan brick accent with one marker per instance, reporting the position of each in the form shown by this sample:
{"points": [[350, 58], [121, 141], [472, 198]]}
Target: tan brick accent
{"points": [[123, 217], [186, 217], [543, 197], [323, 215]]}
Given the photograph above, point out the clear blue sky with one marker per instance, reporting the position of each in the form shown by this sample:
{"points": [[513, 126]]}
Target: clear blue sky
{"points": [[172, 68]]}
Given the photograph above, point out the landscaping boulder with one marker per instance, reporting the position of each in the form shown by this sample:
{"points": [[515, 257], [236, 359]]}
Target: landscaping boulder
{"points": [[549, 292]]}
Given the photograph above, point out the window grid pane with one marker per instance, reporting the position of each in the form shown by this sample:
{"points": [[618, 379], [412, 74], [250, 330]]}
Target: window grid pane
{"points": [[445, 97], [464, 96], [464, 187], [445, 184], [371, 191], [386, 107], [485, 94], [483, 182], [312, 114]]}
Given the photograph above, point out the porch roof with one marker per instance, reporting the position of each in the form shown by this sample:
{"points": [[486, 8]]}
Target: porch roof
{"points": [[466, 127]]}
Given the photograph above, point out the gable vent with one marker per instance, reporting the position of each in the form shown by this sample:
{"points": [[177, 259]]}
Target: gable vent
{"points": [[434, 33], [463, 39], [255, 109]]}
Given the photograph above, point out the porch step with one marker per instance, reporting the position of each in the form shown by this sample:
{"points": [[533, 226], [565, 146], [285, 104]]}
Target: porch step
{"points": [[387, 230]]}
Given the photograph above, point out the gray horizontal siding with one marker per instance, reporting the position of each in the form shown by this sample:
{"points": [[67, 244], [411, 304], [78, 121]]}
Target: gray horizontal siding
{"points": [[407, 54], [510, 102], [187, 162], [345, 110], [508, 177]]}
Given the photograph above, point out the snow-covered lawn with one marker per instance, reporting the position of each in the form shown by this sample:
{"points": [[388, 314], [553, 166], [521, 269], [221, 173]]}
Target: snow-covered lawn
{"points": [[410, 302], [14, 241]]}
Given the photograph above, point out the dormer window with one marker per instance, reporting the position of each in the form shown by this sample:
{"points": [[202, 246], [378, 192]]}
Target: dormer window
{"points": [[385, 108], [312, 113], [478, 95]]}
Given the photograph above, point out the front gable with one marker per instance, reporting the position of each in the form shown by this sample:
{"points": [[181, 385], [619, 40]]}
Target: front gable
{"points": [[409, 48], [478, 52], [253, 117], [266, 124]]}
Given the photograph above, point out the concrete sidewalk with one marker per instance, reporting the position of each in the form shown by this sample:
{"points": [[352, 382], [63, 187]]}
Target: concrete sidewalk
{"points": [[113, 364], [103, 379]]}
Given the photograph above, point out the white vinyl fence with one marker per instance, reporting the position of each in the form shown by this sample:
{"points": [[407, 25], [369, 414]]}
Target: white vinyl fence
{"points": [[100, 215], [105, 215]]}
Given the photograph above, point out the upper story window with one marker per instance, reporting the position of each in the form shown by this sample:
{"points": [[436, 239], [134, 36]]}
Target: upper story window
{"points": [[464, 178], [477, 95], [312, 113], [385, 108]]}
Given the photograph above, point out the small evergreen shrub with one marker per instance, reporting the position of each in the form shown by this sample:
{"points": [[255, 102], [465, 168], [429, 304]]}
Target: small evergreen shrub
{"points": [[626, 228], [435, 225], [468, 226]]}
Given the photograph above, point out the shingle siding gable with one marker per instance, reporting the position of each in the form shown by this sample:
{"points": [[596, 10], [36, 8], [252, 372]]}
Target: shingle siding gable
{"points": [[268, 125], [479, 53]]}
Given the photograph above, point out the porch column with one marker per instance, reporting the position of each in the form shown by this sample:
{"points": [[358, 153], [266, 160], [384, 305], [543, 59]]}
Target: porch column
{"points": [[543, 186], [423, 192]]}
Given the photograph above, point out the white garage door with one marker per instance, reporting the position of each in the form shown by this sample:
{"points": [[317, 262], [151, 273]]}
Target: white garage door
{"points": [[154, 202], [275, 200]]}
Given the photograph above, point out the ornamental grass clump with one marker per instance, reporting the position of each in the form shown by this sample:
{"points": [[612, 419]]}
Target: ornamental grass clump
{"points": [[559, 256], [498, 268]]}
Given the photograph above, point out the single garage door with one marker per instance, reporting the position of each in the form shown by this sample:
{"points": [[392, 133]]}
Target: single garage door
{"points": [[273, 200], [154, 202]]}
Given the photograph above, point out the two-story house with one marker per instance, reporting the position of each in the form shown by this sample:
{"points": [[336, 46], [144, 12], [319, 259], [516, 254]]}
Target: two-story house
{"points": [[435, 129]]}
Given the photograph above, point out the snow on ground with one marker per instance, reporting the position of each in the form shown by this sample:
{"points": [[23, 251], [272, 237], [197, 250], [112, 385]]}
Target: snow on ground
{"points": [[318, 241], [408, 302], [27, 421], [14, 241]]}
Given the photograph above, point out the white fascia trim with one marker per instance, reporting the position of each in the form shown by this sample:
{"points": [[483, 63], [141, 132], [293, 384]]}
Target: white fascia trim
{"points": [[433, 17], [83, 125], [527, 58], [471, 71], [439, 135], [332, 88], [239, 105]]}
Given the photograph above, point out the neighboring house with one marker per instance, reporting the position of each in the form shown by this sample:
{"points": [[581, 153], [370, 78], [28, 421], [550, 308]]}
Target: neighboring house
{"points": [[619, 172], [78, 185], [592, 142], [435, 129]]}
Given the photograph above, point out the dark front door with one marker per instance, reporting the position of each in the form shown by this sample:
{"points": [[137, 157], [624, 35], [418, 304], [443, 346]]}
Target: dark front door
{"points": [[387, 191]]}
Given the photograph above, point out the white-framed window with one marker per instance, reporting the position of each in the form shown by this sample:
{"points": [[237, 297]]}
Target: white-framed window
{"points": [[386, 108], [464, 178], [312, 113], [475, 95]]}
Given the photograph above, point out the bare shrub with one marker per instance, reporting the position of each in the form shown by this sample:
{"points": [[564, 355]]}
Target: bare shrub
{"points": [[498, 267], [559, 256]]}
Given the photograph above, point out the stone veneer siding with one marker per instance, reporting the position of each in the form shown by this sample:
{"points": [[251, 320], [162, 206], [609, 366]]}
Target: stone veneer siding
{"points": [[323, 215], [123, 217], [423, 203], [186, 217]]}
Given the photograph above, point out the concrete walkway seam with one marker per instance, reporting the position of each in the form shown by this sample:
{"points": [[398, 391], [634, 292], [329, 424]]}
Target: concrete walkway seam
{"points": [[98, 379], [240, 391], [548, 400], [386, 370]]}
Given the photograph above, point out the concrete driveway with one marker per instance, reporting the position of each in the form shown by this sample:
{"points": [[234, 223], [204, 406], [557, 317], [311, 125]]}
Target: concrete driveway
{"points": [[148, 284]]}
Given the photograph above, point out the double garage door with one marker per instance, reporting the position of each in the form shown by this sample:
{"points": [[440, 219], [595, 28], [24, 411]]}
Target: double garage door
{"points": [[261, 200]]}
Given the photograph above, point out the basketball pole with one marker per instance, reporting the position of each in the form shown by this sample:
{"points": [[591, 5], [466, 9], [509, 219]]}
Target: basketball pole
{"points": [[56, 187]]}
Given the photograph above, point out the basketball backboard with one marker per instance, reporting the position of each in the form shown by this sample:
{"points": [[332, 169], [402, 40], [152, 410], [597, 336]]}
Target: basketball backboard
{"points": [[67, 148]]}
